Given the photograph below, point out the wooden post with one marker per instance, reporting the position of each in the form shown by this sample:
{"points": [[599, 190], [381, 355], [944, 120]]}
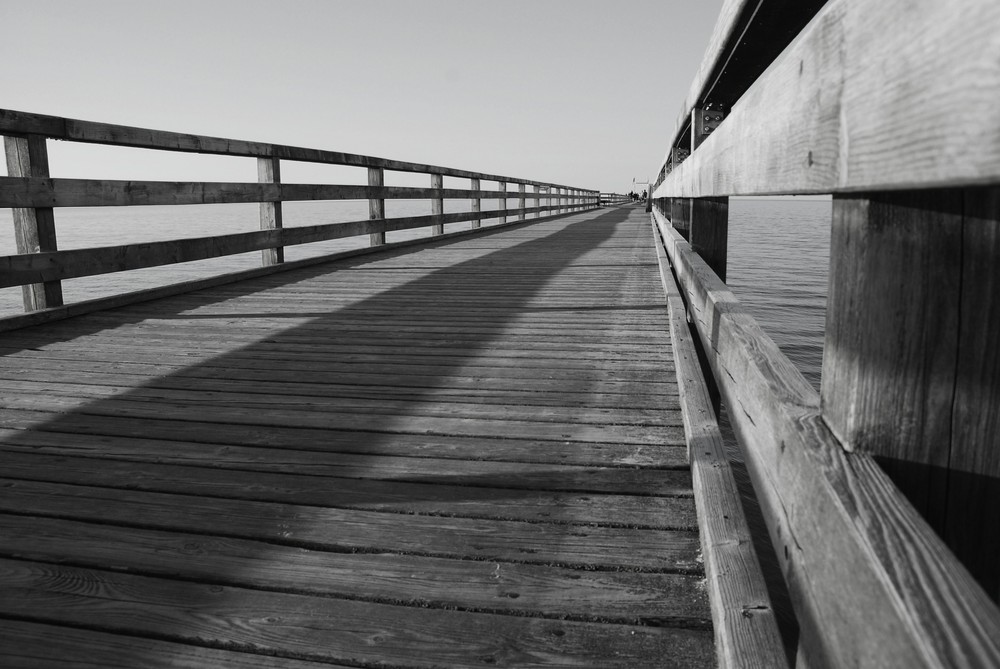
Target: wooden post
{"points": [[709, 231], [911, 371], [520, 202], [376, 205], [502, 206], [680, 215], [437, 204], [476, 203], [34, 229], [269, 171], [538, 200]]}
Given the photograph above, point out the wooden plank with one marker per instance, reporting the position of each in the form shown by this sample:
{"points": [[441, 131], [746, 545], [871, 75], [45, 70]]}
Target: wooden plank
{"points": [[34, 227], [844, 535], [40, 645], [596, 596], [326, 629], [445, 473], [305, 401], [340, 530], [218, 439], [45, 192], [746, 629], [822, 120], [18, 122]]}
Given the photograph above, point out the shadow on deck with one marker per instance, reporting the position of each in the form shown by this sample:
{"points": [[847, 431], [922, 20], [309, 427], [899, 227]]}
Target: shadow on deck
{"points": [[467, 454]]}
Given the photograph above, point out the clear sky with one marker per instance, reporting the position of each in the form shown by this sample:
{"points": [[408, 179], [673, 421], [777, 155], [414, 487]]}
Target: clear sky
{"points": [[579, 92]]}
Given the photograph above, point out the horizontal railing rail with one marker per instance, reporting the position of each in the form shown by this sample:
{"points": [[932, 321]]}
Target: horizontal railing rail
{"points": [[614, 198], [878, 491], [33, 195]]}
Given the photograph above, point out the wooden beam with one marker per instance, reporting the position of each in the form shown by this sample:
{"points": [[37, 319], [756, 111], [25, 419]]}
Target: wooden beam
{"points": [[746, 629], [847, 540], [910, 371], [892, 335], [37, 192], [709, 232], [376, 206], [34, 228], [477, 203], [502, 201], [269, 171], [520, 202], [822, 119], [437, 204], [22, 123]]}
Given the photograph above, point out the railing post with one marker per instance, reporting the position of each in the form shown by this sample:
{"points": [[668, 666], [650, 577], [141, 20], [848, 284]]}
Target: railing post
{"points": [[476, 203], [376, 205], [709, 231], [268, 172], [34, 228], [502, 206], [520, 202], [437, 205], [538, 200], [911, 369]]}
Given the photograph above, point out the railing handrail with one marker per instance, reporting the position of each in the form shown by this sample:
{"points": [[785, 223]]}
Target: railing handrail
{"points": [[14, 122], [33, 195]]}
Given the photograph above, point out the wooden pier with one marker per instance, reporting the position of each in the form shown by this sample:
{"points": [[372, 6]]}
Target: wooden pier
{"points": [[499, 446], [467, 453]]}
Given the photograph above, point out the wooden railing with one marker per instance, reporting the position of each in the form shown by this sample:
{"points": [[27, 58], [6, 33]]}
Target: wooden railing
{"points": [[613, 198], [33, 195], [881, 491]]}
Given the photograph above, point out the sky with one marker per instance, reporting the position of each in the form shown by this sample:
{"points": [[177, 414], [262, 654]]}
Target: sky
{"points": [[577, 92]]}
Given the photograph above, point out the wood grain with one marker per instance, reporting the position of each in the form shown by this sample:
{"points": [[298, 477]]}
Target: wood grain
{"points": [[822, 119], [746, 630], [34, 227]]}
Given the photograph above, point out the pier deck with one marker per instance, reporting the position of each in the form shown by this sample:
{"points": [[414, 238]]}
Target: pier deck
{"points": [[471, 454]]}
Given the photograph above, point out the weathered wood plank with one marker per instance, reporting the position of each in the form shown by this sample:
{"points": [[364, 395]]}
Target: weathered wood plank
{"points": [[219, 438], [822, 119], [327, 629], [291, 477], [332, 529], [605, 596], [41, 645], [746, 630], [845, 536], [46, 192]]}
